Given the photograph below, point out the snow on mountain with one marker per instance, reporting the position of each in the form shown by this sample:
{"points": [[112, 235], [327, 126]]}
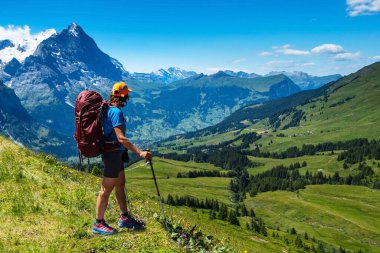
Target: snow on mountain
{"points": [[180, 73], [48, 82], [165, 76], [19, 43], [62, 65], [241, 74], [73, 30]]}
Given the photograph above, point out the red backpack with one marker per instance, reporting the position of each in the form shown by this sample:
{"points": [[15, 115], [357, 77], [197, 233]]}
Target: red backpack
{"points": [[89, 110]]}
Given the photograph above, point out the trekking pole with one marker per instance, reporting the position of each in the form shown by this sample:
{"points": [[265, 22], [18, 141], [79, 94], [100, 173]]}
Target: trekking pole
{"points": [[149, 162], [127, 199]]}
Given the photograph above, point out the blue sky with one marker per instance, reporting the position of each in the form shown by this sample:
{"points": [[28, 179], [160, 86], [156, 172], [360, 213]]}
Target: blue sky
{"points": [[319, 37]]}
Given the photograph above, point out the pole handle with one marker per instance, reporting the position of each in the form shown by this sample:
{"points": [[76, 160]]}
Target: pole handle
{"points": [[147, 161]]}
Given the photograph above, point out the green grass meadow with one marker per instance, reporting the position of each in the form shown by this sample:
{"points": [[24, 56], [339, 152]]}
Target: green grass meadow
{"points": [[47, 207], [346, 216], [139, 178], [327, 163]]}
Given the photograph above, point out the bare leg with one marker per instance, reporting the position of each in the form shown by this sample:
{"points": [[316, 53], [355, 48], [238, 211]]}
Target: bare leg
{"points": [[105, 191], [120, 193]]}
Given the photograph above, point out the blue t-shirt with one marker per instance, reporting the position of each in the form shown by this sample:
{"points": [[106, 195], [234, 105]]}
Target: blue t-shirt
{"points": [[113, 117]]}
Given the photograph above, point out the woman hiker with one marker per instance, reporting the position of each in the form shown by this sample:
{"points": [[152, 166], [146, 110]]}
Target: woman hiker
{"points": [[113, 175]]}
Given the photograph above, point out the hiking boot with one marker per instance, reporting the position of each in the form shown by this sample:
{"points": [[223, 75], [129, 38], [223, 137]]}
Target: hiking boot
{"points": [[127, 221], [103, 228]]}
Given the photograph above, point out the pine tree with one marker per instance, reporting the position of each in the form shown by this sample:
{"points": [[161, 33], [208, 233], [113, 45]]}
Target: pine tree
{"points": [[244, 211], [293, 231], [320, 248], [255, 225], [298, 242], [232, 218], [263, 229], [170, 200], [223, 212], [212, 215], [252, 213]]}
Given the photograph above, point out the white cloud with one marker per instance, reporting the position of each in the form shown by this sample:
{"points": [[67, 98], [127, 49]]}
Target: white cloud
{"points": [[286, 50], [377, 57], [265, 53], [321, 49], [308, 64], [22, 38], [289, 51], [362, 7], [14, 33], [237, 61], [327, 49], [347, 56]]}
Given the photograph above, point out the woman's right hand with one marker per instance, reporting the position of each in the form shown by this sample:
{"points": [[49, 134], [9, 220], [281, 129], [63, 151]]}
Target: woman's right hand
{"points": [[146, 155]]}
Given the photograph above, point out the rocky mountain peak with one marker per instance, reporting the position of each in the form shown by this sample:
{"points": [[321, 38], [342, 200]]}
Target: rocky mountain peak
{"points": [[6, 43], [75, 29], [73, 50], [12, 67]]}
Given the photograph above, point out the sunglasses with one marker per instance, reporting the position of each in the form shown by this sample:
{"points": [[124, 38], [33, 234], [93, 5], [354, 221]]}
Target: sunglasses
{"points": [[125, 99]]}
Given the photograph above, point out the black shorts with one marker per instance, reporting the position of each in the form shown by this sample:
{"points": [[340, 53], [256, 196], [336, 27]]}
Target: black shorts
{"points": [[113, 163]]}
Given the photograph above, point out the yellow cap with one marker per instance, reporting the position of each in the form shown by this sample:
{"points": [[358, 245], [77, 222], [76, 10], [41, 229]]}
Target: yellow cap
{"points": [[120, 89]]}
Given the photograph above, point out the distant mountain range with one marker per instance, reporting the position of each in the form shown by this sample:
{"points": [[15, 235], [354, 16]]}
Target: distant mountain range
{"points": [[302, 79], [306, 81], [241, 74], [16, 51], [163, 76], [348, 107], [164, 103]]}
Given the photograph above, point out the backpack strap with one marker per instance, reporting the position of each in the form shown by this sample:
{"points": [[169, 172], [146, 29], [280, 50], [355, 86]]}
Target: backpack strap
{"points": [[107, 144]]}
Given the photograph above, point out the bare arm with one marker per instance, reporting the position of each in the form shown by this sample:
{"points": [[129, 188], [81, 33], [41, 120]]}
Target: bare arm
{"points": [[119, 130]]}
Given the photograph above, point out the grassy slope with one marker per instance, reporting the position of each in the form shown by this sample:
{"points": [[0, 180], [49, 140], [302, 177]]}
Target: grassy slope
{"points": [[358, 117], [38, 192], [327, 163], [140, 178], [239, 239], [321, 211], [340, 215], [47, 207]]}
